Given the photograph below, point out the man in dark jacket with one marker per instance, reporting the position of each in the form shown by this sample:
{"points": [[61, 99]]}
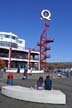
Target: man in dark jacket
{"points": [[48, 83]]}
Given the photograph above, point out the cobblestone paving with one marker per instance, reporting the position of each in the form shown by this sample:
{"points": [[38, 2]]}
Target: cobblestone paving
{"points": [[65, 85]]}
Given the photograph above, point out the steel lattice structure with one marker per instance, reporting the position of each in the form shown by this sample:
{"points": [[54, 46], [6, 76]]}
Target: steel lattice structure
{"points": [[43, 46]]}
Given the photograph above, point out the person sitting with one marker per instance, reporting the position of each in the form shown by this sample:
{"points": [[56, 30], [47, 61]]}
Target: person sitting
{"points": [[40, 83], [48, 83]]}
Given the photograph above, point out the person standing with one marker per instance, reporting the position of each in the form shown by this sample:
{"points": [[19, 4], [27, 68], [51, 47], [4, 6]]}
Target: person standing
{"points": [[1, 73], [48, 83], [18, 69], [1, 77], [25, 74], [30, 71]]}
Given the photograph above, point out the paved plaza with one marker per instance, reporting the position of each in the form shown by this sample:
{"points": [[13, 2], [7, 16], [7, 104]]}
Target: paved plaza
{"points": [[63, 84]]}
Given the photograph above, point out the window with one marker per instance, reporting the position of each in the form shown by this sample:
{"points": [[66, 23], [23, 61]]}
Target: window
{"points": [[8, 44], [1, 35], [13, 45], [7, 36], [20, 41], [13, 37]]}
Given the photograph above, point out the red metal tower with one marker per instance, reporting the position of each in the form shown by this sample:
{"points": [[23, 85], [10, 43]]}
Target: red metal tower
{"points": [[43, 44]]}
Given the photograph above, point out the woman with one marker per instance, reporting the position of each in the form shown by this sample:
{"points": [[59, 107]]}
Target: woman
{"points": [[40, 83]]}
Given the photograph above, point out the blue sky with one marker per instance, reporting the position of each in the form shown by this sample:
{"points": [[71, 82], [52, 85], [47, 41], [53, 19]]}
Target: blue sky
{"points": [[23, 18]]}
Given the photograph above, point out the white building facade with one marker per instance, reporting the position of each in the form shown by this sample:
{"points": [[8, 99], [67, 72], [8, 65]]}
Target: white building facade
{"points": [[13, 52], [9, 39]]}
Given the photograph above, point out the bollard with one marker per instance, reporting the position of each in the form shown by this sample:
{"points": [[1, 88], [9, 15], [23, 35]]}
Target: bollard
{"points": [[10, 79]]}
